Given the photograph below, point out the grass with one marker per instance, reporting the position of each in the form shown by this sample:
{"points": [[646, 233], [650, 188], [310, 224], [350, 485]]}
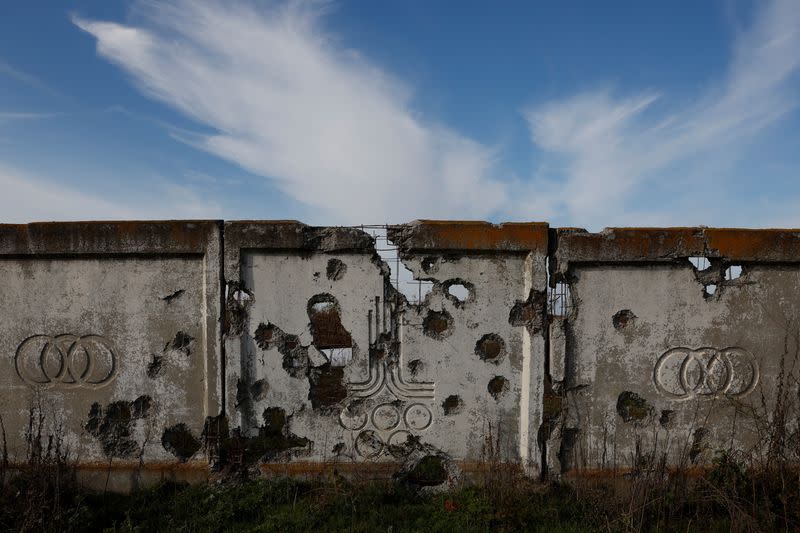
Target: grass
{"points": [[261, 504], [41, 501]]}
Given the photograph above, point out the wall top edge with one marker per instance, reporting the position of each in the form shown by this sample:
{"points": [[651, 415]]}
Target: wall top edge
{"points": [[441, 235], [667, 244], [109, 237]]}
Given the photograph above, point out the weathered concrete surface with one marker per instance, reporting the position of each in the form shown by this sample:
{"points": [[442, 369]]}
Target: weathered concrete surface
{"points": [[110, 341], [128, 350], [330, 363], [658, 361]]}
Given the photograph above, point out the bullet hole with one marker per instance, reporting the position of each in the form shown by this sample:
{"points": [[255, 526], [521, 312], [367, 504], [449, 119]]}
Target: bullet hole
{"points": [[698, 444], [112, 426], [733, 272], [622, 318], [709, 290], [700, 263], [429, 265], [414, 366], [458, 291], [452, 405], [437, 324], [180, 442], [632, 407], [667, 416], [327, 387], [259, 389], [326, 323], [181, 343], [336, 269], [237, 306], [498, 385], [154, 367], [491, 348], [428, 472], [530, 313], [177, 294]]}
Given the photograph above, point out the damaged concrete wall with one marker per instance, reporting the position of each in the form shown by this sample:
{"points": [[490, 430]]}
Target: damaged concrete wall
{"points": [[153, 346], [662, 361], [318, 338], [110, 341]]}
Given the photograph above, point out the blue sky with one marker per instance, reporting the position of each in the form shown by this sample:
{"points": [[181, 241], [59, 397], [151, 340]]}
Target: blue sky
{"points": [[587, 114]]}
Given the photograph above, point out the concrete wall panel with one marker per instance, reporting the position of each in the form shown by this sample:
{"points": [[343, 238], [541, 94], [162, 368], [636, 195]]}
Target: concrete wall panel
{"points": [[665, 362], [110, 340], [454, 378]]}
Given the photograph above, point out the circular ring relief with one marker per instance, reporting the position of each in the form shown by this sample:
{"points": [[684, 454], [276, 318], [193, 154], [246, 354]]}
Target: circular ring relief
{"points": [[418, 417], [385, 417]]}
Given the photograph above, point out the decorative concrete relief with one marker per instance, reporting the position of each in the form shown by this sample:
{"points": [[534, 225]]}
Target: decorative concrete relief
{"points": [[67, 360], [685, 373], [386, 408]]}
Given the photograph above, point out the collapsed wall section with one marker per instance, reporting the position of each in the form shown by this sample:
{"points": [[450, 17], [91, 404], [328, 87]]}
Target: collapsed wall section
{"points": [[110, 341], [679, 343]]}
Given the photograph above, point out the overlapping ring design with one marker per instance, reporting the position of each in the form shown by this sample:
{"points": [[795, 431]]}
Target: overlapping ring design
{"points": [[66, 360], [715, 370]]}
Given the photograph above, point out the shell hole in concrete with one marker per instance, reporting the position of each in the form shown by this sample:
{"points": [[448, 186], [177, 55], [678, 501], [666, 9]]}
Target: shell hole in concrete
{"points": [[338, 356], [336, 269], [490, 347], [458, 291], [622, 318], [497, 386], [429, 265], [709, 290], [241, 296], [326, 323], [733, 272], [437, 324], [699, 262], [558, 299], [452, 404], [323, 307]]}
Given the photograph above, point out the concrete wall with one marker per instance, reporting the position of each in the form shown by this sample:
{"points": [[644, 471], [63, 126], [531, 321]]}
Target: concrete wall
{"points": [[110, 341], [160, 348], [321, 343], [661, 362]]}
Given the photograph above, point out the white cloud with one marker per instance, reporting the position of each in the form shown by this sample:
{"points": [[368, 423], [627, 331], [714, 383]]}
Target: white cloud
{"points": [[287, 101], [27, 198], [611, 145], [290, 103]]}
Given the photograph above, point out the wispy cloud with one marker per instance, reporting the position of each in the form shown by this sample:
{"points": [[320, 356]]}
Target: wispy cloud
{"points": [[288, 102], [28, 79], [612, 145], [8, 116], [28, 198]]}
